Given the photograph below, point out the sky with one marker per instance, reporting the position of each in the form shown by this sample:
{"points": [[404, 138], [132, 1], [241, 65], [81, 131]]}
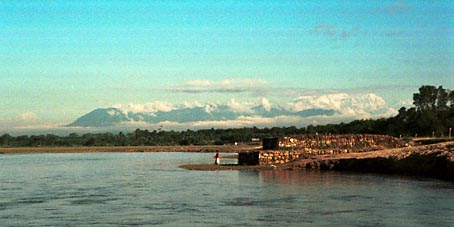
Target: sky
{"points": [[62, 59]]}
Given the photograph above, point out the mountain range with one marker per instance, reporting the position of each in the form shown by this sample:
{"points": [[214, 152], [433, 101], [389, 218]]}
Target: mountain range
{"points": [[303, 110], [112, 116]]}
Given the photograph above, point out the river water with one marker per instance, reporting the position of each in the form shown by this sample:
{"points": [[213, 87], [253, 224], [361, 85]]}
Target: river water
{"points": [[148, 189]]}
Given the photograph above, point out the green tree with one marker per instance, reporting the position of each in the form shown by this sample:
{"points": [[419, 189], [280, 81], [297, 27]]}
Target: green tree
{"points": [[442, 99], [451, 99], [6, 140], [426, 98]]}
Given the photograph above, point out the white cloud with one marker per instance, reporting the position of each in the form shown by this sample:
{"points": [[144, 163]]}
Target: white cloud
{"points": [[28, 117], [210, 107], [112, 112], [193, 104], [360, 105], [151, 107], [329, 101], [348, 106], [27, 121], [237, 123], [239, 107], [266, 104]]}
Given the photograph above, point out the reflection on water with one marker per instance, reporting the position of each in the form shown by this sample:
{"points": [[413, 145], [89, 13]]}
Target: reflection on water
{"points": [[285, 177], [143, 189]]}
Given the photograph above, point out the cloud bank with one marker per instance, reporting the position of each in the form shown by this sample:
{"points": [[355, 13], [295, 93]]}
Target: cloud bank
{"points": [[150, 107], [260, 112], [359, 105]]}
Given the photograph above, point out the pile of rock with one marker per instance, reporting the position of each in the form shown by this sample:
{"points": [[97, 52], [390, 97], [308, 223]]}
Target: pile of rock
{"points": [[333, 144], [270, 157], [288, 149]]}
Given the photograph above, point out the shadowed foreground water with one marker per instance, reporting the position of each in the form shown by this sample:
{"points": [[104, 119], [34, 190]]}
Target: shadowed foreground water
{"points": [[146, 189]]}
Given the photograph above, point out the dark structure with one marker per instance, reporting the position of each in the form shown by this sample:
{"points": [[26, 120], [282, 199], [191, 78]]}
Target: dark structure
{"points": [[249, 158], [271, 143]]}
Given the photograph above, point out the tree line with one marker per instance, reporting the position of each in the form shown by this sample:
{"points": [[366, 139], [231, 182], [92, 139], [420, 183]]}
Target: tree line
{"points": [[431, 115], [145, 137]]}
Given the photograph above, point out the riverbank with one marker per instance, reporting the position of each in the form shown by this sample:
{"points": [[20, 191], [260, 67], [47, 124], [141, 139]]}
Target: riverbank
{"points": [[208, 149], [435, 160]]}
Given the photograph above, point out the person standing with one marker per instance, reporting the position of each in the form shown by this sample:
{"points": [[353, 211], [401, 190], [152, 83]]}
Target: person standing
{"points": [[217, 159]]}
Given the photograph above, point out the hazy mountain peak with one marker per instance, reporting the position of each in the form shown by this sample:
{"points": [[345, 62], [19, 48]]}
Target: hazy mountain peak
{"points": [[342, 105], [101, 117], [114, 116]]}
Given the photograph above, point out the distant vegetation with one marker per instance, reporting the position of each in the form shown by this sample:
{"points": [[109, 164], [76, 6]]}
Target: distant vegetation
{"points": [[432, 115]]}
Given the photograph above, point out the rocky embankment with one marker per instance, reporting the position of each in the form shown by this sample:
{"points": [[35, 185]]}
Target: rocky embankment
{"points": [[436, 160]]}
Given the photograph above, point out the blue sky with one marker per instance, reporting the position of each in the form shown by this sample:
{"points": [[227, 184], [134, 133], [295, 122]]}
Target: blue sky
{"points": [[62, 59]]}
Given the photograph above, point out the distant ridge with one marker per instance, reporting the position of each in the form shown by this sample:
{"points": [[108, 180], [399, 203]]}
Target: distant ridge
{"points": [[100, 118], [104, 117]]}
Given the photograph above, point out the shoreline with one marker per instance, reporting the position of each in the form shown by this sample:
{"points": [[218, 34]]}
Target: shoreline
{"points": [[434, 161], [132, 149]]}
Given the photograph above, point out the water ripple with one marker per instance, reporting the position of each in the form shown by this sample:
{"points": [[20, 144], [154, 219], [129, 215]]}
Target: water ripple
{"points": [[149, 189]]}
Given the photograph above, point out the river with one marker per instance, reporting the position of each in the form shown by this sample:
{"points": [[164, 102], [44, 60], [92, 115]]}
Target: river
{"points": [[148, 189]]}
